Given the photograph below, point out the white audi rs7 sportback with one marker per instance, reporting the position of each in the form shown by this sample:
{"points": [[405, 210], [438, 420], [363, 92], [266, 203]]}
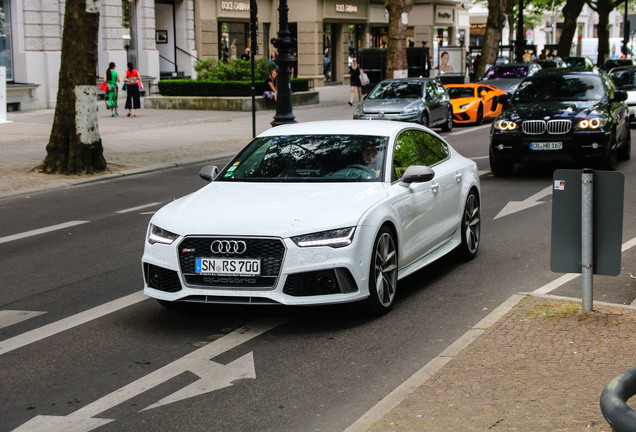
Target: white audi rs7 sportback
{"points": [[316, 213]]}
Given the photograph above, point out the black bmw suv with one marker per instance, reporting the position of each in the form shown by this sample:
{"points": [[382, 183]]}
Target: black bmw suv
{"points": [[561, 114]]}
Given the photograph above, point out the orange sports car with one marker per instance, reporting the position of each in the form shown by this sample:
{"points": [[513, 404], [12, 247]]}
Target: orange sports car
{"points": [[472, 103]]}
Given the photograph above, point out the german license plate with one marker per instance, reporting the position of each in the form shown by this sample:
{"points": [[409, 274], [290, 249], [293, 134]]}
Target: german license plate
{"points": [[228, 266], [546, 145]]}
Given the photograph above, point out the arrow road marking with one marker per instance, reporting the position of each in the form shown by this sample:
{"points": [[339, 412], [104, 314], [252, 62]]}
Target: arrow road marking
{"points": [[517, 206], [212, 376]]}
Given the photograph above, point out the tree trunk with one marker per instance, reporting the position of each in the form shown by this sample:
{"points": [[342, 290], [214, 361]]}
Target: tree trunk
{"points": [[75, 145], [494, 26], [571, 12], [603, 8], [396, 46]]}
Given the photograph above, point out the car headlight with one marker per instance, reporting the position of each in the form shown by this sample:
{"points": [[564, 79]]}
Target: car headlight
{"points": [[160, 235], [409, 111], [593, 123], [333, 238], [505, 125], [463, 107], [358, 112]]}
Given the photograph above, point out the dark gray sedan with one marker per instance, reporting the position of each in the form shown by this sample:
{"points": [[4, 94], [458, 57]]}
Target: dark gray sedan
{"points": [[420, 100]]}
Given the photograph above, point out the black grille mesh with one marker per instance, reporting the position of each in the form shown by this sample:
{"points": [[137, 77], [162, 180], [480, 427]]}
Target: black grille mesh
{"points": [[161, 279], [270, 251]]}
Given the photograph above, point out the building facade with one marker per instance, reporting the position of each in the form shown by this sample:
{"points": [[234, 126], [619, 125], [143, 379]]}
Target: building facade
{"points": [[156, 36]]}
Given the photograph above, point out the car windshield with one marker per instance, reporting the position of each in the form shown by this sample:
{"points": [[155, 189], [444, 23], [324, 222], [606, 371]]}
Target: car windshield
{"points": [[503, 72], [625, 79], [461, 92], [310, 158], [560, 88], [397, 90]]}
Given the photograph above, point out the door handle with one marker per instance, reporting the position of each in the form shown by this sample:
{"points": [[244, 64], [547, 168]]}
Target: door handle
{"points": [[458, 177], [435, 187]]}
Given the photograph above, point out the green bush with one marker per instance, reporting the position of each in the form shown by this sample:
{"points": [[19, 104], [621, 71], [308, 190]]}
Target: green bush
{"points": [[189, 87], [234, 70]]}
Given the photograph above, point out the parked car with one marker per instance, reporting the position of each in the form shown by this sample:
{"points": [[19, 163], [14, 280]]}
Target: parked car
{"points": [[472, 103], [579, 63], [624, 78], [551, 63], [612, 63], [508, 76], [562, 115], [316, 213], [419, 100]]}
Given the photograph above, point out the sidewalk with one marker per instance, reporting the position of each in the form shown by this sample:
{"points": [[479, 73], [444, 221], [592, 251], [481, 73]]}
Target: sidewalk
{"points": [[534, 364], [151, 140], [540, 366]]}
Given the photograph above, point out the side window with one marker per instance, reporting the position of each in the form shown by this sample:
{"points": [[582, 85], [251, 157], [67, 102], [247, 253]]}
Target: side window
{"points": [[415, 147]]}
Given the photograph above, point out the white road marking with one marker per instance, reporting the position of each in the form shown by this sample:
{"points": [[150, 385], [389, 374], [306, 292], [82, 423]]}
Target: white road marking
{"points": [[10, 317], [212, 376], [517, 206], [138, 208], [479, 157], [468, 130], [43, 332], [40, 231]]}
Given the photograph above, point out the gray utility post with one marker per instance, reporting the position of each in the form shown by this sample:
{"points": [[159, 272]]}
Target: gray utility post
{"points": [[587, 225]]}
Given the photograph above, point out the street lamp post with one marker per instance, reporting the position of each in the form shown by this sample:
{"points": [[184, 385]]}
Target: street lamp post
{"points": [[284, 43], [520, 45]]}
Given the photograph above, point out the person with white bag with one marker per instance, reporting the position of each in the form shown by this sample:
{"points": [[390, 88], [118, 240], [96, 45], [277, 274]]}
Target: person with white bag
{"points": [[356, 76]]}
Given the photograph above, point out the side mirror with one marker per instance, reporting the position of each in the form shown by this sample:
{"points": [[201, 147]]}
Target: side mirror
{"points": [[417, 174], [483, 93], [209, 172], [619, 96]]}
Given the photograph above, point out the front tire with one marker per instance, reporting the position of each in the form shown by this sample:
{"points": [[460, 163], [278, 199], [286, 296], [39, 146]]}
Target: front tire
{"points": [[480, 115], [383, 274], [470, 228], [625, 152]]}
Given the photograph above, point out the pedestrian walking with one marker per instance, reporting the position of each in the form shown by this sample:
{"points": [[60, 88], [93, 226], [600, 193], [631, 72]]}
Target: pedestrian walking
{"points": [[111, 78], [133, 85], [355, 81]]}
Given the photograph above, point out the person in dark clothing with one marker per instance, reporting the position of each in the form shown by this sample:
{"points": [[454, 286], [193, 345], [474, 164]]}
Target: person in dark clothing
{"points": [[355, 80]]}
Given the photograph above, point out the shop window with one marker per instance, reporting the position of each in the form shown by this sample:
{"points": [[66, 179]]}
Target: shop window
{"points": [[6, 51], [234, 37]]}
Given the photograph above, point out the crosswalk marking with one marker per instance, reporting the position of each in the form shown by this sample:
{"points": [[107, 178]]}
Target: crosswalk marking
{"points": [[10, 317]]}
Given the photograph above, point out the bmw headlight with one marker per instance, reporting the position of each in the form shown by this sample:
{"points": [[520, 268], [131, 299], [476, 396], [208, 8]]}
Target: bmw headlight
{"points": [[592, 123], [160, 235], [505, 125], [333, 238]]}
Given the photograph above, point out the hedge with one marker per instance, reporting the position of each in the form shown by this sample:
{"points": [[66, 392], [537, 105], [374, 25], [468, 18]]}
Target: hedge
{"points": [[191, 87]]}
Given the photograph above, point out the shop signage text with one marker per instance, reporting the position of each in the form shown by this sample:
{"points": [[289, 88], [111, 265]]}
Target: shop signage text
{"points": [[346, 8], [235, 6]]}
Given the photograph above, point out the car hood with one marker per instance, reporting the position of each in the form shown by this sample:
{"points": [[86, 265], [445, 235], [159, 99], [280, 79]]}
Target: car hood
{"points": [[553, 110], [388, 105], [269, 209]]}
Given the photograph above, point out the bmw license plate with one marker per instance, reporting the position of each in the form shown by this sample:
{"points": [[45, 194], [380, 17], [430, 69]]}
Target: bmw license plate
{"points": [[546, 145], [228, 266]]}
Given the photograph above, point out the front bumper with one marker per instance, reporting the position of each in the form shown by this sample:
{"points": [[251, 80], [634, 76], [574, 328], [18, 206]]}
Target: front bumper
{"points": [[302, 276], [580, 147]]}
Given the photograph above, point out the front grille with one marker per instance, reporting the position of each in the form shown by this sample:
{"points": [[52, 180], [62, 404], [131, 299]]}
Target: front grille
{"points": [[538, 127], [270, 251], [161, 279], [559, 126], [533, 127]]}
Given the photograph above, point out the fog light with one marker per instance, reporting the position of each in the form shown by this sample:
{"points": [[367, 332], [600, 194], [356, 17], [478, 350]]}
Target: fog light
{"points": [[500, 147], [595, 146]]}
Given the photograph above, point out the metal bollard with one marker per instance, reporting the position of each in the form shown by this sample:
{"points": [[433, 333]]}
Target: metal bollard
{"points": [[618, 391]]}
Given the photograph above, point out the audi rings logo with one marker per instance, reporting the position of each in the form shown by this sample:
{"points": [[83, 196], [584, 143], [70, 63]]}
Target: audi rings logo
{"points": [[228, 247]]}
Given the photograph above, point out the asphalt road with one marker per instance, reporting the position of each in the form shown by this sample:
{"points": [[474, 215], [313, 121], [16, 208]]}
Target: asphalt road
{"points": [[81, 345]]}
